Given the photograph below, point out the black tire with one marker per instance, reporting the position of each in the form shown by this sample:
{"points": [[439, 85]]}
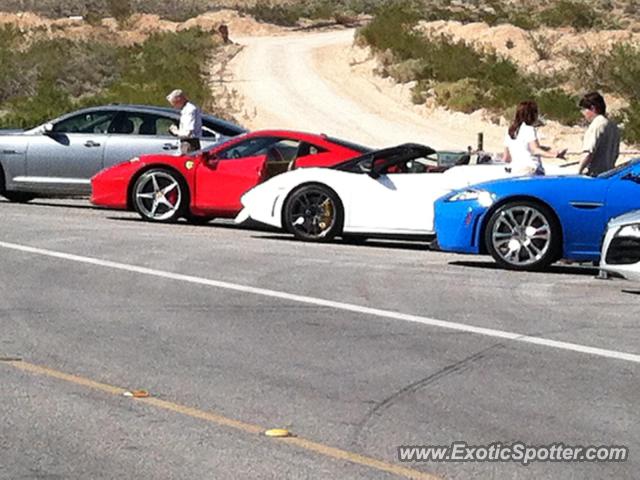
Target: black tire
{"points": [[354, 239], [197, 219], [313, 213], [18, 197], [163, 200], [523, 235]]}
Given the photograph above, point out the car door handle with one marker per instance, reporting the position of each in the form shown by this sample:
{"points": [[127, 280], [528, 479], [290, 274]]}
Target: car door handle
{"points": [[169, 146], [91, 143], [586, 205]]}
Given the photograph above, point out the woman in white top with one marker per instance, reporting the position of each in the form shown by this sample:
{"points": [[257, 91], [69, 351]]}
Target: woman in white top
{"points": [[522, 149]]}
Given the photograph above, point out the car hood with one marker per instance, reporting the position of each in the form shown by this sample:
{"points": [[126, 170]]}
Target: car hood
{"points": [[631, 217], [526, 184], [11, 131], [162, 158]]}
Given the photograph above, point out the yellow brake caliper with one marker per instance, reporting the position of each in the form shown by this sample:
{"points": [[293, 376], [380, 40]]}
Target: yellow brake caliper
{"points": [[327, 214]]}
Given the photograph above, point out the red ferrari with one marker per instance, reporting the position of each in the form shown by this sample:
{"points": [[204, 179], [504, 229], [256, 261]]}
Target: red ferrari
{"points": [[207, 184]]}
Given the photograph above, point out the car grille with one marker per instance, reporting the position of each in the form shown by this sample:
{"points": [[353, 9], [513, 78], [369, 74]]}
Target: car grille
{"points": [[624, 251]]}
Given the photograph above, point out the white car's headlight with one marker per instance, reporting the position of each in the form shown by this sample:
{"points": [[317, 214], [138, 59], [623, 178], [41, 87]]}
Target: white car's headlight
{"points": [[629, 231], [483, 197]]}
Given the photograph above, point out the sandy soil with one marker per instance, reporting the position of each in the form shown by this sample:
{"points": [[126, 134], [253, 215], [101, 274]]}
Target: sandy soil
{"points": [[306, 82], [322, 83], [138, 28], [520, 45]]}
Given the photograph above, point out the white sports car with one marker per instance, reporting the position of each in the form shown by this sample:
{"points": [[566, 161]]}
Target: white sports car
{"points": [[388, 192], [621, 246]]}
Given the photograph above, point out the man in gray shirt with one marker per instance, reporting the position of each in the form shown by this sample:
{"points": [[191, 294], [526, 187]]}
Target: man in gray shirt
{"points": [[601, 141], [190, 130]]}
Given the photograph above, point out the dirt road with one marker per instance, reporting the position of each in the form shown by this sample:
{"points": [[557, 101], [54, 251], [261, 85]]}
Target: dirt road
{"points": [[309, 82]]}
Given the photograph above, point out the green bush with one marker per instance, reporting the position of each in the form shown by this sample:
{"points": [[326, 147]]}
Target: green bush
{"points": [[558, 105], [283, 15], [51, 77], [615, 70], [288, 14], [464, 95], [491, 12], [419, 92], [542, 44], [49, 101], [165, 61], [589, 69], [8, 39], [571, 13], [121, 10], [464, 78], [624, 70], [406, 71], [631, 118], [442, 59], [391, 29]]}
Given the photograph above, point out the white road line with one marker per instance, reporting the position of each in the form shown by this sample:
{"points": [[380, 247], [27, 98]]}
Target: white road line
{"points": [[432, 322]]}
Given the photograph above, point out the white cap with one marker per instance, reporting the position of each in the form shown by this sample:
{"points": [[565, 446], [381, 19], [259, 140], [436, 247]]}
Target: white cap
{"points": [[177, 93]]}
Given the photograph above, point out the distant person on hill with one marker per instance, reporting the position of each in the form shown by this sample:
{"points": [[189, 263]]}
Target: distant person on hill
{"points": [[523, 151], [223, 30], [190, 130], [601, 142]]}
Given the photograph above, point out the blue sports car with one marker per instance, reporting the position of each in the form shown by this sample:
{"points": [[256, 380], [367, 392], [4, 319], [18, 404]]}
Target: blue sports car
{"points": [[527, 223]]}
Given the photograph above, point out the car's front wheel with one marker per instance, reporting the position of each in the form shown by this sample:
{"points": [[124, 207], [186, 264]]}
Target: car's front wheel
{"points": [[159, 195], [523, 235], [313, 213]]}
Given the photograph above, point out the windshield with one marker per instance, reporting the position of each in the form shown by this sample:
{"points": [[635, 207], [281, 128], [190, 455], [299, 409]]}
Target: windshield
{"points": [[619, 168]]}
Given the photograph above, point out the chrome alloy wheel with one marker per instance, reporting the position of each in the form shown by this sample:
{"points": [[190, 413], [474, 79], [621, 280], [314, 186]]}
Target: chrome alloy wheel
{"points": [[521, 235], [312, 213], [158, 195]]}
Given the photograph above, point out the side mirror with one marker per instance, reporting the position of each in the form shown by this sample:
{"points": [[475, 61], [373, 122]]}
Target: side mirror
{"points": [[373, 173], [366, 166], [211, 160], [47, 129]]}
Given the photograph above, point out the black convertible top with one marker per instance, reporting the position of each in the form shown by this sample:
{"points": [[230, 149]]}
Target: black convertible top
{"points": [[402, 152]]}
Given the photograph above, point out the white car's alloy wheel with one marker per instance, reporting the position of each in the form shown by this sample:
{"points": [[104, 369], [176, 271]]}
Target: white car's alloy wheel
{"points": [[313, 213]]}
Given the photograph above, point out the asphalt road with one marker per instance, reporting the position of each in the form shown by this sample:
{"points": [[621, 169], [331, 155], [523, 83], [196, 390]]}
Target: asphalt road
{"points": [[233, 331]]}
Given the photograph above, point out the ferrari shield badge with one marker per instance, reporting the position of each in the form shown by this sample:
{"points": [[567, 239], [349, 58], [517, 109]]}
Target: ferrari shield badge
{"points": [[189, 164]]}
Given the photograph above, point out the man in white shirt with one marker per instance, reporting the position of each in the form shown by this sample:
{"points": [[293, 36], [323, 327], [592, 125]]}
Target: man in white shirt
{"points": [[190, 130], [601, 141]]}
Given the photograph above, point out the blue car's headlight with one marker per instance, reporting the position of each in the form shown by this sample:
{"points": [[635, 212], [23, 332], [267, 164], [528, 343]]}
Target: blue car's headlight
{"points": [[629, 231], [483, 197]]}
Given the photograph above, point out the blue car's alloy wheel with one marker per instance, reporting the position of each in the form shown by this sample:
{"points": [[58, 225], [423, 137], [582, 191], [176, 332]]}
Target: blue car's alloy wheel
{"points": [[523, 235]]}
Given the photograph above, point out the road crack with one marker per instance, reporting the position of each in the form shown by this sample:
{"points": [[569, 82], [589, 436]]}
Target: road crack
{"points": [[380, 407]]}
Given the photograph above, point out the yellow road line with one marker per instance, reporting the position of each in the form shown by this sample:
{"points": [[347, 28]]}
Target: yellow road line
{"points": [[302, 443]]}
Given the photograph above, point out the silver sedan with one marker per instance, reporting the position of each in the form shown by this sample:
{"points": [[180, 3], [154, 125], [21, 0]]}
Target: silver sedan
{"points": [[61, 156]]}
